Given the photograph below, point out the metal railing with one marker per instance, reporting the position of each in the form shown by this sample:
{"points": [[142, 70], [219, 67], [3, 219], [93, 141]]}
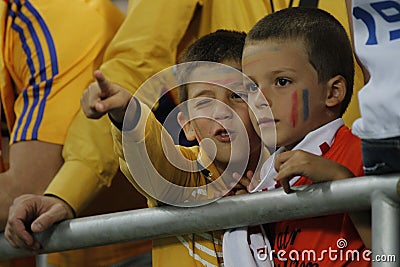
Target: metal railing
{"points": [[381, 194]]}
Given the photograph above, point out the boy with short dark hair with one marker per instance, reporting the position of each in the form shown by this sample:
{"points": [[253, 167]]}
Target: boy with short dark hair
{"points": [[300, 60], [216, 110]]}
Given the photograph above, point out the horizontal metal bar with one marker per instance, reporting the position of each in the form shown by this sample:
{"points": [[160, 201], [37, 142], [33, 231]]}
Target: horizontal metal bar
{"points": [[229, 212]]}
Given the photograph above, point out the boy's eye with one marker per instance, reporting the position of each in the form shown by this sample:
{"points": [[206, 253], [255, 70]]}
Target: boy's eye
{"points": [[202, 102], [282, 82], [251, 87], [239, 95]]}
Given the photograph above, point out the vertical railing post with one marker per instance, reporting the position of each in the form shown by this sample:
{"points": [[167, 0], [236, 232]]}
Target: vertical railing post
{"points": [[385, 231]]}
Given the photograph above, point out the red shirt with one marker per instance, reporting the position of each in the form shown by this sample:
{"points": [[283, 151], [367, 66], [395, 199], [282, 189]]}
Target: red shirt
{"points": [[326, 240]]}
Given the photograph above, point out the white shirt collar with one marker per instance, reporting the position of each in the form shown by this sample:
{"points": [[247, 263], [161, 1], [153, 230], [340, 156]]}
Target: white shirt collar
{"points": [[314, 142]]}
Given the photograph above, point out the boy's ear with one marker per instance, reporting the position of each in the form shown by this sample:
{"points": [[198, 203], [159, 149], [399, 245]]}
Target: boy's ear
{"points": [[186, 125], [336, 91]]}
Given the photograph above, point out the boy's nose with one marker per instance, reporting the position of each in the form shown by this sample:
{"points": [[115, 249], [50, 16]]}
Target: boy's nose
{"points": [[260, 100], [222, 111]]}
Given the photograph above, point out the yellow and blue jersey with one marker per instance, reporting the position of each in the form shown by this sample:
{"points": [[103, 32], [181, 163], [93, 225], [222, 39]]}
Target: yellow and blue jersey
{"points": [[50, 62]]}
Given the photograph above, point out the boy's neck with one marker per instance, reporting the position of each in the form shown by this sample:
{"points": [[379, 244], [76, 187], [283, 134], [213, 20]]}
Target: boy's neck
{"points": [[258, 156], [291, 146]]}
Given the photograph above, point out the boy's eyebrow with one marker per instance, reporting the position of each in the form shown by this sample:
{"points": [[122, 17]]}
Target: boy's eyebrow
{"points": [[249, 79], [236, 86], [275, 72], [225, 82], [202, 92], [283, 69]]}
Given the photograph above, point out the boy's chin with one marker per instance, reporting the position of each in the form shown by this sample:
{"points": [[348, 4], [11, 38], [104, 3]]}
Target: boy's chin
{"points": [[232, 160], [269, 138], [270, 143]]}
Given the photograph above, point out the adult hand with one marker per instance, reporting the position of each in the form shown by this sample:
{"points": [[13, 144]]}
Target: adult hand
{"points": [[36, 212]]}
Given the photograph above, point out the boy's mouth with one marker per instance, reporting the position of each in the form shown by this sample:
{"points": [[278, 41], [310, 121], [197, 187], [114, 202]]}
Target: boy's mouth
{"points": [[222, 135], [266, 122]]}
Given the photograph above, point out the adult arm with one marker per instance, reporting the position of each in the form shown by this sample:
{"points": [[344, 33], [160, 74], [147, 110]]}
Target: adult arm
{"points": [[90, 164], [350, 18], [361, 219], [147, 42], [32, 166]]}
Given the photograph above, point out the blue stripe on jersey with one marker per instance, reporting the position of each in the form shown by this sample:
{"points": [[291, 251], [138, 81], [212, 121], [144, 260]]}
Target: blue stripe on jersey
{"points": [[54, 66], [26, 104], [35, 102], [36, 41], [42, 105], [42, 72], [31, 67], [49, 38], [25, 47]]}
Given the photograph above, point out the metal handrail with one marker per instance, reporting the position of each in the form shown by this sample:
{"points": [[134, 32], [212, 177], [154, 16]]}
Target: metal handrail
{"points": [[379, 193]]}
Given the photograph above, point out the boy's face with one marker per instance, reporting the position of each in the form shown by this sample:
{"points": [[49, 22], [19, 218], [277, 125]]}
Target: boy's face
{"points": [[284, 75], [220, 114]]}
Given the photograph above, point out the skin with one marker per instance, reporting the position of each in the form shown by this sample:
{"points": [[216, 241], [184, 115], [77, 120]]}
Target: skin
{"points": [[365, 72], [100, 98], [280, 71], [215, 109], [288, 98], [28, 174], [361, 219], [43, 211], [300, 163]]}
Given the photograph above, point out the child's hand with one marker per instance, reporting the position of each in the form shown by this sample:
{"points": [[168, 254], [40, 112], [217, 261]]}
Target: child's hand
{"points": [[242, 186], [300, 163], [102, 97]]}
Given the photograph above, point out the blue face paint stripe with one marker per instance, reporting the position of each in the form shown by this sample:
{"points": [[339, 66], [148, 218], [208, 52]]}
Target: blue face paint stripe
{"points": [[305, 104]]}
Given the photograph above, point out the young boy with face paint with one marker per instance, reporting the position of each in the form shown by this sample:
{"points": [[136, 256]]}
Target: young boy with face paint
{"points": [[301, 61], [212, 112]]}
